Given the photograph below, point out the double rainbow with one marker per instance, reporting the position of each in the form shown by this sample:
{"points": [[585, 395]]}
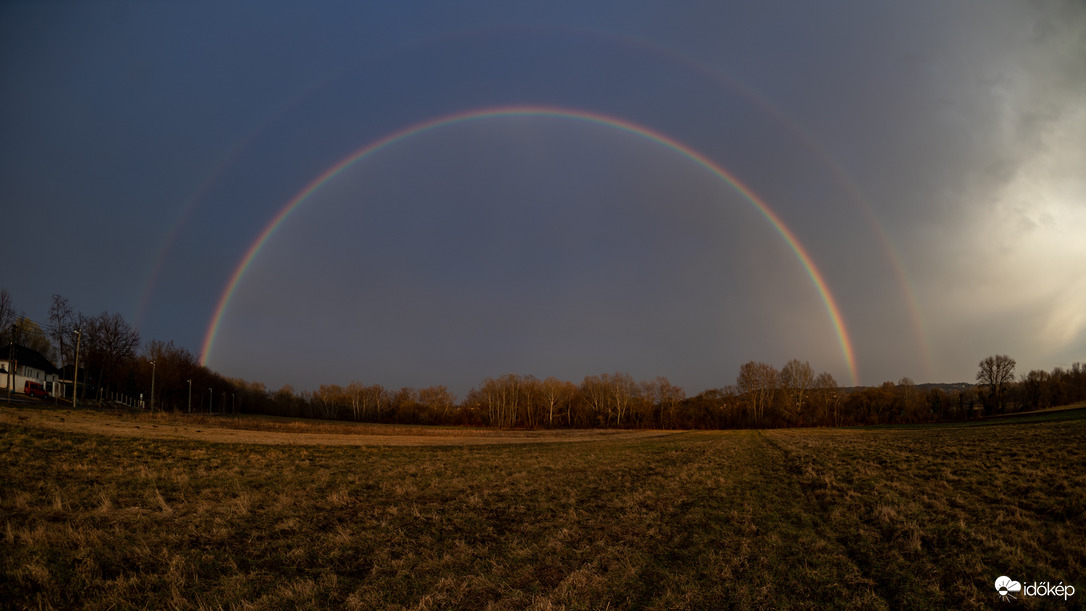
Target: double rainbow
{"points": [[536, 111]]}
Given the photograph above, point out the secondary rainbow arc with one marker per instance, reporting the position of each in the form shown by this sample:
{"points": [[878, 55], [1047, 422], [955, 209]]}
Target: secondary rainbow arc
{"points": [[294, 203]]}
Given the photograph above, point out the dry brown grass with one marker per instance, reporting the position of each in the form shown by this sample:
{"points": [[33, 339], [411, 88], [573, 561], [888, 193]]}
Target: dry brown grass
{"points": [[266, 430], [874, 518]]}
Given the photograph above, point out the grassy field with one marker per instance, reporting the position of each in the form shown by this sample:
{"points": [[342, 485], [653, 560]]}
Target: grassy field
{"points": [[859, 518], [266, 430]]}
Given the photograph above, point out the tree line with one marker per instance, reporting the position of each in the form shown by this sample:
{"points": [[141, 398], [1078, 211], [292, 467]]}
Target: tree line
{"points": [[114, 361]]}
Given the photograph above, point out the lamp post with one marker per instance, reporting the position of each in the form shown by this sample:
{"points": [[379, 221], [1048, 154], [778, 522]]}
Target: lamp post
{"points": [[75, 373], [210, 401], [152, 387], [233, 406], [11, 363], [190, 395]]}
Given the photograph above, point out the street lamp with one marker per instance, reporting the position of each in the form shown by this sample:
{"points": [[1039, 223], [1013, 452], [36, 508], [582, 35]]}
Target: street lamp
{"points": [[152, 387], [75, 373], [210, 401], [11, 361], [190, 395]]}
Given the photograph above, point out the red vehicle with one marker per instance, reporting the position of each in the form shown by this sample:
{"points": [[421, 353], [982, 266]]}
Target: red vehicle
{"points": [[35, 389]]}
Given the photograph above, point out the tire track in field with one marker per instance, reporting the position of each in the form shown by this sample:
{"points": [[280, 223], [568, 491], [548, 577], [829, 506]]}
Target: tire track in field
{"points": [[927, 511], [744, 527], [807, 478], [827, 558]]}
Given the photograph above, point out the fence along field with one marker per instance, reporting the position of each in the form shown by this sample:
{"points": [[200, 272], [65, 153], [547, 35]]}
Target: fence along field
{"points": [[926, 516]]}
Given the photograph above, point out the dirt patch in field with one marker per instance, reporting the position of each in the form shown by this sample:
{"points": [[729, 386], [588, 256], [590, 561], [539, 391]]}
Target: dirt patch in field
{"points": [[167, 427]]}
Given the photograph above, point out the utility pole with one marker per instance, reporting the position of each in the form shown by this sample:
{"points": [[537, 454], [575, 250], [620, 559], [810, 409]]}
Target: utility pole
{"points": [[190, 395], [152, 387], [11, 363], [75, 373], [210, 401]]}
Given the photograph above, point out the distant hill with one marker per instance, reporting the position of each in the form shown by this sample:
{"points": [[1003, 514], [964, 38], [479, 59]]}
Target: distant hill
{"points": [[947, 386], [944, 386]]}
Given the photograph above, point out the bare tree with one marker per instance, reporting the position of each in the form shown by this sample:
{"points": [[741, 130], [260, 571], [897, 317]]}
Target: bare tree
{"points": [[30, 335], [7, 316], [375, 401], [912, 403], [996, 372], [109, 341], [173, 367], [484, 399], [327, 399], [405, 404], [827, 399], [594, 391], [437, 400], [1037, 386], [503, 398], [555, 396], [62, 319], [796, 379], [623, 393], [531, 407], [285, 400], [646, 411], [759, 382], [353, 394], [668, 397]]}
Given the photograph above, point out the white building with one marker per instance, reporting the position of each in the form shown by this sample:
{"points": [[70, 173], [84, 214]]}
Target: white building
{"points": [[19, 364]]}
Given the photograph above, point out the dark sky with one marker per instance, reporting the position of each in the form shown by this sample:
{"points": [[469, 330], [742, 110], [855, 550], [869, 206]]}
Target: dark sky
{"points": [[927, 158]]}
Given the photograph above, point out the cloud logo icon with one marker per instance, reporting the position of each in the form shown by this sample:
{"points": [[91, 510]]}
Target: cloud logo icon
{"points": [[1005, 585]]}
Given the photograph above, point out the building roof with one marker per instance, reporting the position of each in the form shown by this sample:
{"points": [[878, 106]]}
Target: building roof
{"points": [[30, 358]]}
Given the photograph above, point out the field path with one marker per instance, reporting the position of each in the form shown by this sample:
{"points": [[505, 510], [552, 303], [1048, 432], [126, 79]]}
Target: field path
{"points": [[146, 427]]}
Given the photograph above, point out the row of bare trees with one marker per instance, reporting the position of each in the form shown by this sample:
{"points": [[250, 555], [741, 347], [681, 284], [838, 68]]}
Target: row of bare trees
{"points": [[508, 401], [1040, 389], [107, 343], [762, 396], [16, 327], [615, 400], [111, 362], [790, 396]]}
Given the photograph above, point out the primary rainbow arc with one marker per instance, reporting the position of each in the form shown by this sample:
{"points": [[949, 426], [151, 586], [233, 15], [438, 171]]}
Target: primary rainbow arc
{"points": [[538, 111]]}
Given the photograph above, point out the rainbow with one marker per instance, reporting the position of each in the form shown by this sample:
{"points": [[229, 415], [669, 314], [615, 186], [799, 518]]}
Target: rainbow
{"points": [[217, 170], [849, 186], [536, 111]]}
